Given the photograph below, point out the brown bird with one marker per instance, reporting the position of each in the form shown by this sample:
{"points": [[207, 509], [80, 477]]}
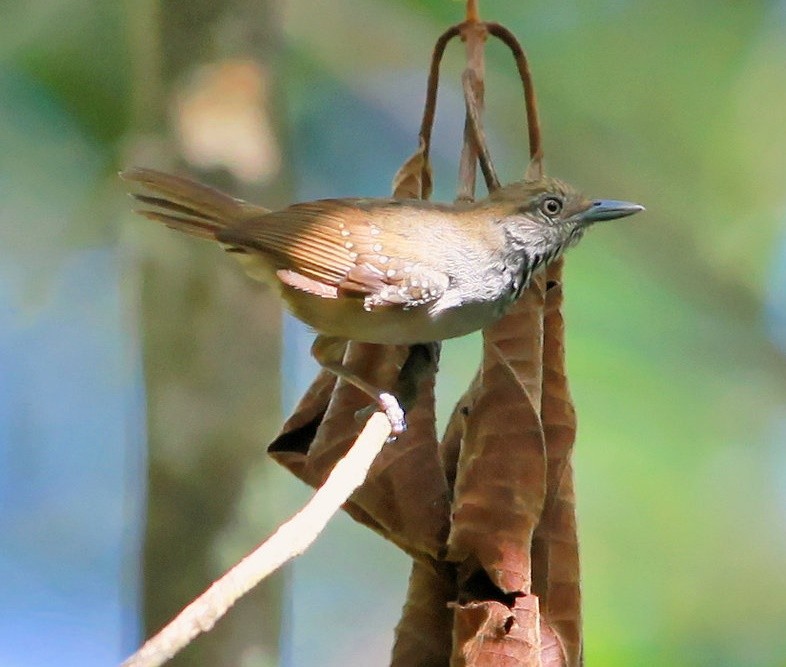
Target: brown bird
{"points": [[386, 271]]}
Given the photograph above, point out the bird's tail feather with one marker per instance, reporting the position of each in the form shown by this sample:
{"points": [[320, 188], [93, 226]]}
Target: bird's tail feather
{"points": [[183, 204]]}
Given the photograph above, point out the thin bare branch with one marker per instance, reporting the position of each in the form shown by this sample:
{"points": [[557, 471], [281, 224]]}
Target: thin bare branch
{"points": [[468, 80], [430, 107], [473, 15], [530, 102], [290, 540], [474, 35]]}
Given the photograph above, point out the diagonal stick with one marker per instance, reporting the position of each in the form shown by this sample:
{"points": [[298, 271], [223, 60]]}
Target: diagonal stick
{"points": [[291, 539]]}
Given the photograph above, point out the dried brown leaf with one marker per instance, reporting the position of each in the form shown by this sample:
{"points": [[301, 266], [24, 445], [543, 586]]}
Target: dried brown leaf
{"points": [[499, 484], [555, 553], [551, 651], [299, 430], [414, 179], [291, 447], [405, 496], [519, 338], [501, 476], [555, 544], [557, 411], [423, 634], [450, 445], [491, 634]]}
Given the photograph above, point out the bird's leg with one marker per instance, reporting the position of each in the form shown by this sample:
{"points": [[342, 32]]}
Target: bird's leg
{"points": [[329, 351], [422, 359]]}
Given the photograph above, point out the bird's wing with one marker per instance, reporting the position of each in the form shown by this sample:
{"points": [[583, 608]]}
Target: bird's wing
{"points": [[316, 249], [305, 238], [394, 283]]}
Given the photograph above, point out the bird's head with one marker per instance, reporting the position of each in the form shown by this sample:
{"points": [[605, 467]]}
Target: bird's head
{"points": [[544, 216]]}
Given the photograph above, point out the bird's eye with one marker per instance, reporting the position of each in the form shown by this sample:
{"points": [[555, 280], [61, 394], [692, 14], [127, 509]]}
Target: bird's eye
{"points": [[551, 206]]}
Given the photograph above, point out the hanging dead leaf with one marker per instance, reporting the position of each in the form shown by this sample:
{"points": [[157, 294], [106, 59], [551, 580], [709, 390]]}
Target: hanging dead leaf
{"points": [[501, 476], [299, 430], [555, 543], [519, 338], [414, 179], [405, 496], [551, 651], [492, 634], [556, 566], [423, 634], [499, 484], [450, 445], [558, 413]]}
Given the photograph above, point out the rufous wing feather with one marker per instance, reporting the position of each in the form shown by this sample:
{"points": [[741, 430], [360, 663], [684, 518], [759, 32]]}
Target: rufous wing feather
{"points": [[331, 247]]}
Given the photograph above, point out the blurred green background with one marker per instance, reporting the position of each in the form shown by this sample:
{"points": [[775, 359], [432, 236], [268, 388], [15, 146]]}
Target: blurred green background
{"points": [[676, 320]]}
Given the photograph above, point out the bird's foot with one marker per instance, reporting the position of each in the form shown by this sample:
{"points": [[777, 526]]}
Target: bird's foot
{"points": [[393, 411]]}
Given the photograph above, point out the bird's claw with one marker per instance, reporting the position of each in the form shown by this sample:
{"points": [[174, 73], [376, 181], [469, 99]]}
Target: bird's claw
{"points": [[394, 413]]}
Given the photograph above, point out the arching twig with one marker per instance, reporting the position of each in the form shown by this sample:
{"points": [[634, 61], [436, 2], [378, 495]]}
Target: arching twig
{"points": [[427, 124], [533, 124]]}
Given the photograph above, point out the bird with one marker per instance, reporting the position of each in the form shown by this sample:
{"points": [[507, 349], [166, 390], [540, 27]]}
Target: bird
{"points": [[386, 271]]}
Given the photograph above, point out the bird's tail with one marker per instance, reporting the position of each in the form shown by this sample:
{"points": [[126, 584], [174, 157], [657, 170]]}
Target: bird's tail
{"points": [[183, 204]]}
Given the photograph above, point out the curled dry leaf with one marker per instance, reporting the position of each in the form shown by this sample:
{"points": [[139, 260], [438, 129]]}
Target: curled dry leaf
{"points": [[556, 566], [299, 430], [423, 634], [404, 496], [558, 413], [519, 338], [414, 180], [492, 634], [555, 544], [501, 476], [498, 491], [291, 447], [450, 445], [551, 651]]}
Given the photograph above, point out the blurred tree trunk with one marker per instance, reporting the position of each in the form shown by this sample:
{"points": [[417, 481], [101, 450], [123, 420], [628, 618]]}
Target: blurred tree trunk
{"points": [[205, 68]]}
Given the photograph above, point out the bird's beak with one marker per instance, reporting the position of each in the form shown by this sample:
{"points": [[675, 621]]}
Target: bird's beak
{"points": [[609, 209]]}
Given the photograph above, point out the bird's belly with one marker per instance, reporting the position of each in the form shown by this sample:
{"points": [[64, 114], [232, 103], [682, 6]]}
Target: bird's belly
{"points": [[346, 318]]}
